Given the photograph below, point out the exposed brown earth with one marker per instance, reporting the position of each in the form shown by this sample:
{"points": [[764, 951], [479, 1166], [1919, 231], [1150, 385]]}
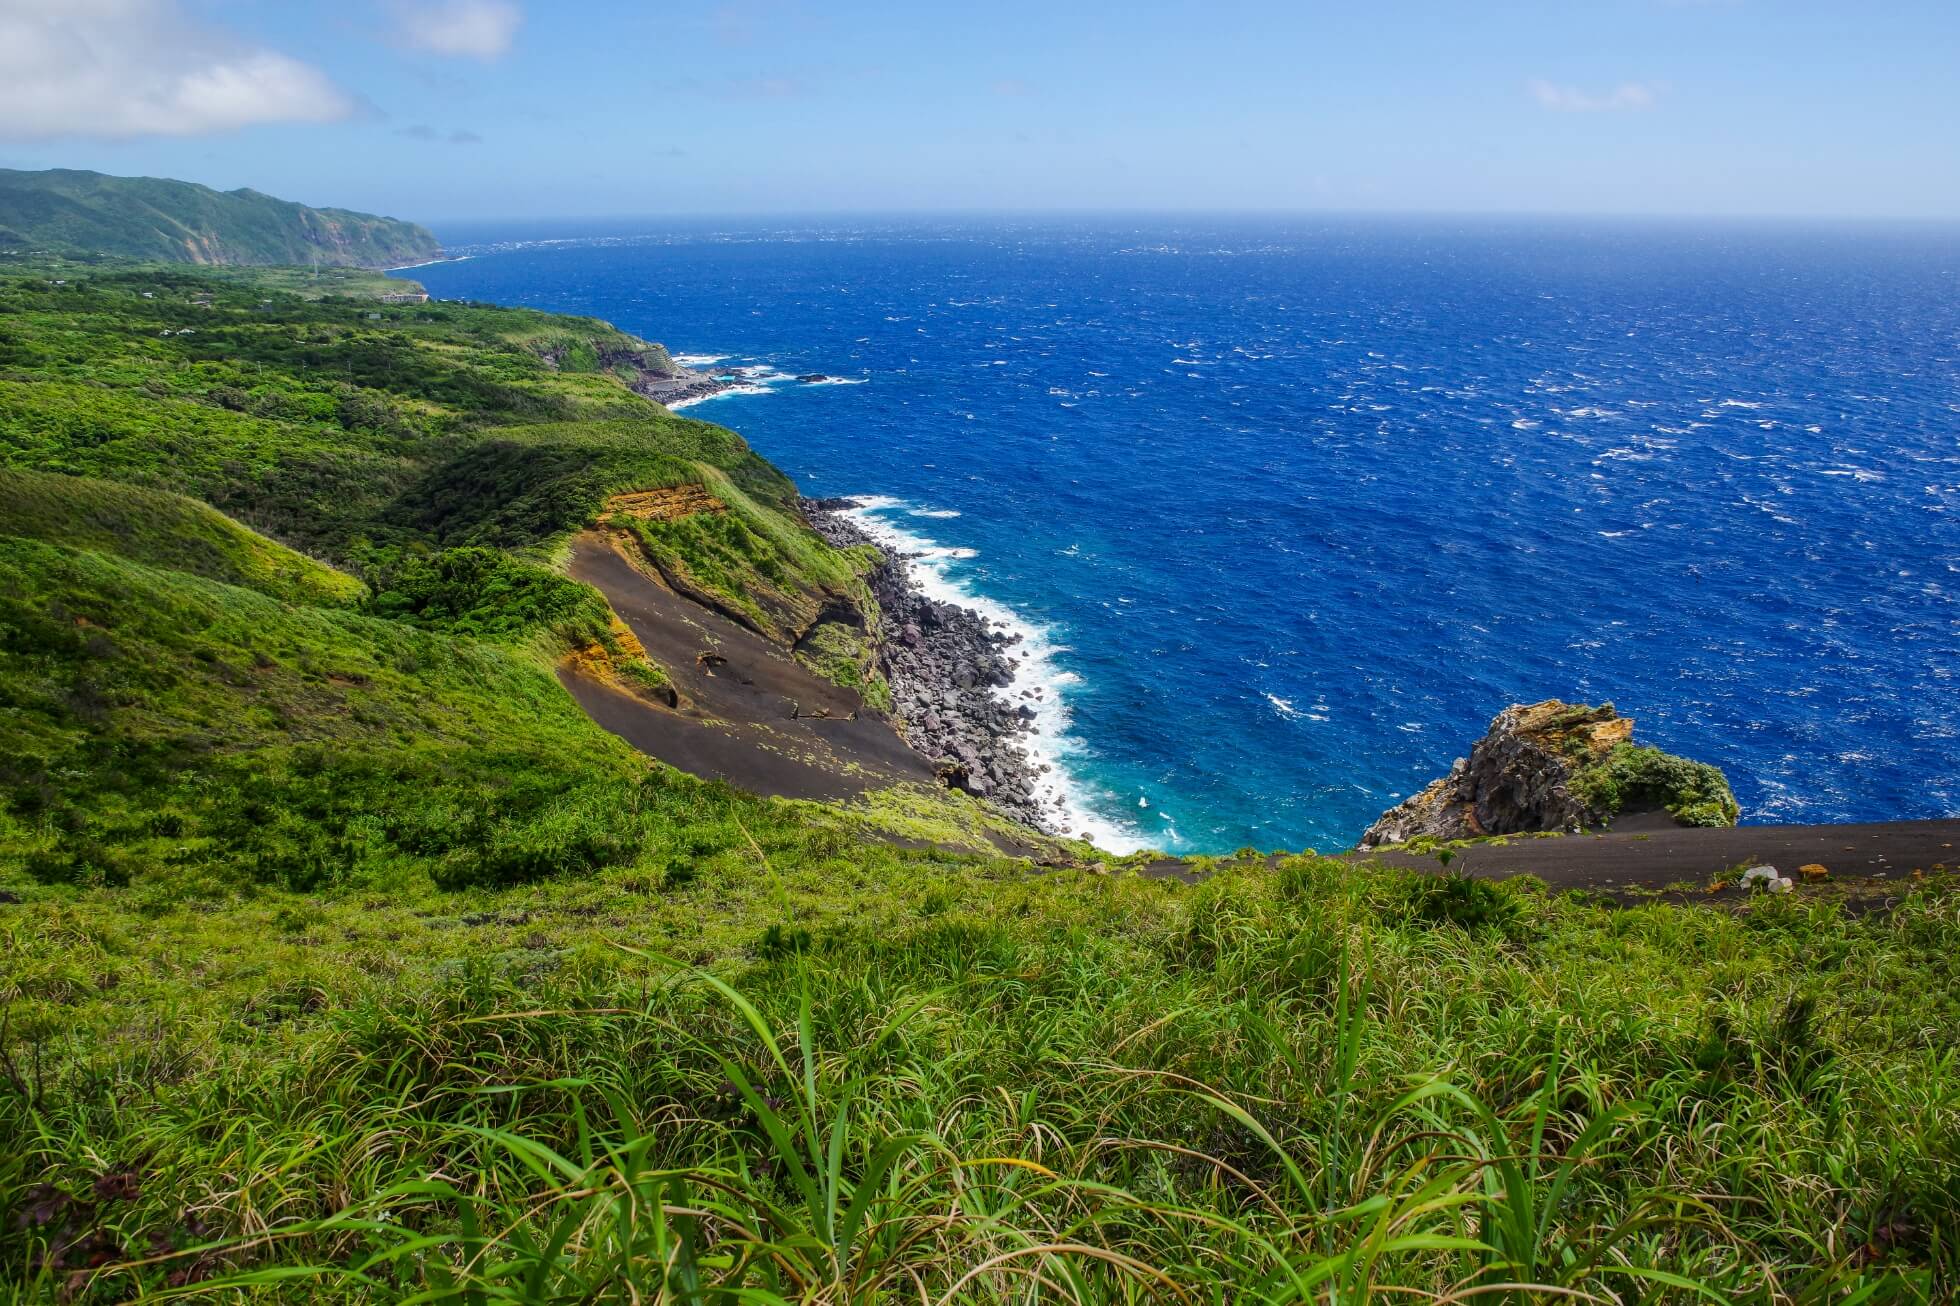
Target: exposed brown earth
{"points": [[750, 713], [612, 666], [670, 503]]}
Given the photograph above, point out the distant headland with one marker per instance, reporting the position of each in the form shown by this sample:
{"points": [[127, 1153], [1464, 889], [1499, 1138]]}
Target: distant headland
{"points": [[70, 213]]}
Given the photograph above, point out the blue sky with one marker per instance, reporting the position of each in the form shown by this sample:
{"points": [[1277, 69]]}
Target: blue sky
{"points": [[471, 109]]}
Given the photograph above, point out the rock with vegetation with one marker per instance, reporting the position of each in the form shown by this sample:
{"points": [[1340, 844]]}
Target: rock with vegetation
{"points": [[1556, 766], [70, 212]]}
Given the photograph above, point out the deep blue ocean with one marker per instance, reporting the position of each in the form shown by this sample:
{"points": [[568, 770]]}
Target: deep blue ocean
{"points": [[1297, 506]]}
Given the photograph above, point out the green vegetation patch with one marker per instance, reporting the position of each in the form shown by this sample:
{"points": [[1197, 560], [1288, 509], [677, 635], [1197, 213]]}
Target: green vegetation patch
{"points": [[1636, 778], [900, 1072], [842, 653], [351, 430], [162, 725], [492, 595], [164, 530]]}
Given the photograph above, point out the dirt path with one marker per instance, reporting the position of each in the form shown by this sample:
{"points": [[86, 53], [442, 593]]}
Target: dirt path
{"points": [[1655, 858], [1866, 862], [752, 714]]}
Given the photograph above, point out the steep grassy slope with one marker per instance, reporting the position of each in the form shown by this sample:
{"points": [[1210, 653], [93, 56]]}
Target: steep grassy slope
{"points": [[88, 213], [158, 721], [343, 958], [165, 530], [379, 438]]}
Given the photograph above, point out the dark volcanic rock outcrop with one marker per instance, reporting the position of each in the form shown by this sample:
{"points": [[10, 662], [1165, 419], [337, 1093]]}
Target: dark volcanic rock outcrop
{"points": [[947, 666], [1556, 766], [687, 384]]}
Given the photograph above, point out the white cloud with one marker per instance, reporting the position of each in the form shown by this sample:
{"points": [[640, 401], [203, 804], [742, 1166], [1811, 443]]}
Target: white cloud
{"points": [[117, 69], [472, 29], [1571, 99]]}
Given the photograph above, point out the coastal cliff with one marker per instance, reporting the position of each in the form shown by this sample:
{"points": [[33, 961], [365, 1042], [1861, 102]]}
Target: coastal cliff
{"points": [[1556, 766]]}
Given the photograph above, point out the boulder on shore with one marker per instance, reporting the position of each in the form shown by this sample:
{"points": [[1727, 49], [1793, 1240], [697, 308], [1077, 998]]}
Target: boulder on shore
{"points": [[1556, 766]]}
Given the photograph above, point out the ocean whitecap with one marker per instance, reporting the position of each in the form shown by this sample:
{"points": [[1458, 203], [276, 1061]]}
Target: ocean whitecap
{"points": [[1060, 789]]}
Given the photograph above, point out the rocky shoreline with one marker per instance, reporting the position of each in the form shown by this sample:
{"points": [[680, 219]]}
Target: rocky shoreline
{"points": [[679, 389], [950, 669], [692, 384]]}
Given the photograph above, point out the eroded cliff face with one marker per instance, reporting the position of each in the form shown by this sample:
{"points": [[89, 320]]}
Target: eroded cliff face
{"points": [[1555, 766]]}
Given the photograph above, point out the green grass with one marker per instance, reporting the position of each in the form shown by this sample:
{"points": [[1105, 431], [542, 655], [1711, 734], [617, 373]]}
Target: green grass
{"points": [[351, 431], [948, 1077], [491, 595], [377, 438], [164, 727], [165, 530]]}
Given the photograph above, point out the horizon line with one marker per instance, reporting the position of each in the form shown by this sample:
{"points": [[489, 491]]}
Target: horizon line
{"points": [[1240, 214]]}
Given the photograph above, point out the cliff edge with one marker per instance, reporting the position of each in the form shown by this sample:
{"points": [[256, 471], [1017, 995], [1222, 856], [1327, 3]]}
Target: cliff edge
{"points": [[1556, 766]]}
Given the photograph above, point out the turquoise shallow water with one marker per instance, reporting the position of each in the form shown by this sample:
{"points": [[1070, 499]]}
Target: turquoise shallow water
{"points": [[1293, 508]]}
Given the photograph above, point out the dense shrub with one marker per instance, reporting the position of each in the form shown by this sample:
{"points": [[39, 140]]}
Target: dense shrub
{"points": [[490, 595], [1637, 778]]}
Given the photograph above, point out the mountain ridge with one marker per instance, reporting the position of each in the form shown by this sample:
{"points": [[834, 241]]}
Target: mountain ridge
{"points": [[77, 212]]}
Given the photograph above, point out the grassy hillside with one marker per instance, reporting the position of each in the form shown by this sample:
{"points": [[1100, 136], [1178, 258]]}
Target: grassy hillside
{"points": [[64, 211], [353, 431], [343, 958], [165, 530]]}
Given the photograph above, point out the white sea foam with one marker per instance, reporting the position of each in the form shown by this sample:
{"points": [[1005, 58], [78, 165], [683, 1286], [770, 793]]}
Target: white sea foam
{"points": [[933, 512], [1059, 791], [756, 379], [692, 400], [1284, 707]]}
